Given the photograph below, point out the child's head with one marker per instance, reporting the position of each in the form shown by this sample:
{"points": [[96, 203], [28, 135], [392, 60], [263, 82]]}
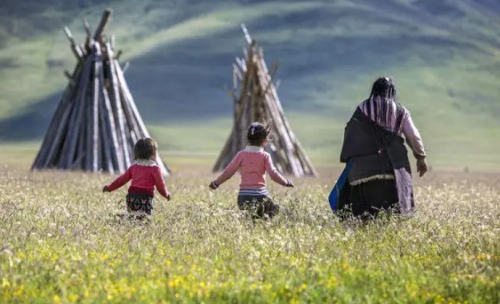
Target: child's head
{"points": [[258, 134], [145, 149]]}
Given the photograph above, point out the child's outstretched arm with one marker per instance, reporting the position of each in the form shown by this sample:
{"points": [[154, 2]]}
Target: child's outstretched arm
{"points": [[228, 172], [275, 175], [160, 184], [117, 183]]}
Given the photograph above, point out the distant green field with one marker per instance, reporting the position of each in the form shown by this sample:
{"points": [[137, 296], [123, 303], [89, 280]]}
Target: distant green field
{"points": [[444, 55]]}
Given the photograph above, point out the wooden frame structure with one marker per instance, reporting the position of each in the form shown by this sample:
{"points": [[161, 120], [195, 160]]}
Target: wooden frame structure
{"points": [[96, 123], [256, 99]]}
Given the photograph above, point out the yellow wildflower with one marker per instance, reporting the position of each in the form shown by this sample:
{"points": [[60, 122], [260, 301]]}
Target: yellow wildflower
{"points": [[5, 283], [73, 298]]}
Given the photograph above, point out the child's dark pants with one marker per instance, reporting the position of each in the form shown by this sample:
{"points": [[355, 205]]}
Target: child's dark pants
{"points": [[139, 204], [260, 206]]}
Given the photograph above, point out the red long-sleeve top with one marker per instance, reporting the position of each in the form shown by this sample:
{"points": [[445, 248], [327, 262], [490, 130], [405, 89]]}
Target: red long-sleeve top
{"points": [[145, 176]]}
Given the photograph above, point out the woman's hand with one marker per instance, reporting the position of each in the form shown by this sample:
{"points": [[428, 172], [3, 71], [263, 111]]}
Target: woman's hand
{"points": [[105, 189], [421, 166], [169, 196]]}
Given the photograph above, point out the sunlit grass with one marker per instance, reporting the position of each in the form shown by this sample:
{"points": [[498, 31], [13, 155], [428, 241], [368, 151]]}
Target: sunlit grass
{"points": [[61, 244]]}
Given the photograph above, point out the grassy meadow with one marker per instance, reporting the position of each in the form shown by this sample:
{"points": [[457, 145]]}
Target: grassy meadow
{"points": [[61, 243]]}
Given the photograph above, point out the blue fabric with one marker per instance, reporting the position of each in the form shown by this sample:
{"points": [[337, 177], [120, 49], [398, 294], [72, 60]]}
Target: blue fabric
{"points": [[334, 195]]}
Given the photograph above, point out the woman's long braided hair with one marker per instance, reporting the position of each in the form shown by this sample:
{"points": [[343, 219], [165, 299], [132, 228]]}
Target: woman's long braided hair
{"points": [[385, 113]]}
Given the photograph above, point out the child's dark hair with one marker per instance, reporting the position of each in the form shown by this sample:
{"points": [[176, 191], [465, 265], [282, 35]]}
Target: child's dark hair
{"points": [[144, 148], [258, 133]]}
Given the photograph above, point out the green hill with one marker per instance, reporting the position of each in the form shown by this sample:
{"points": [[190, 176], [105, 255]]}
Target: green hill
{"points": [[443, 54]]}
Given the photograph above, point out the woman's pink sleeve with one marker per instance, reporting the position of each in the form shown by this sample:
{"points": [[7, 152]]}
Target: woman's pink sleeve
{"points": [[230, 170], [413, 138], [273, 172]]}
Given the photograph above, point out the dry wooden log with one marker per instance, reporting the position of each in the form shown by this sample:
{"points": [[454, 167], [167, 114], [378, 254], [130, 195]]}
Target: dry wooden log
{"points": [[88, 39], [111, 129], [235, 81], [237, 78], [246, 34], [74, 47], [118, 54], [102, 24], [106, 136], [78, 164], [89, 129], [241, 64], [93, 119], [125, 67], [118, 110], [54, 147], [69, 77], [50, 134], [277, 85], [69, 35], [75, 121]]}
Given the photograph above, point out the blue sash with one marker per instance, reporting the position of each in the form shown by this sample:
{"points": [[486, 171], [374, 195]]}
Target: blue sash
{"points": [[335, 194]]}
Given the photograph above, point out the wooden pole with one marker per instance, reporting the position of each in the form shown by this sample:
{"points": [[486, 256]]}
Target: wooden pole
{"points": [[102, 24], [93, 122], [50, 134], [118, 110], [115, 154], [107, 140], [75, 121], [75, 48], [58, 137]]}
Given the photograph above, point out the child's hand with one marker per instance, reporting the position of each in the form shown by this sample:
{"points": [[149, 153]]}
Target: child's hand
{"points": [[105, 189], [169, 196], [289, 184], [213, 185]]}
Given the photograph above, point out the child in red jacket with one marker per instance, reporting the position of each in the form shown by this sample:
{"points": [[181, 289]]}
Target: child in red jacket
{"points": [[145, 175]]}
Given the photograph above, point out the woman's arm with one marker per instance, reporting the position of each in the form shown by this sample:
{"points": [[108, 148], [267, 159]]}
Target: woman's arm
{"points": [[413, 138], [229, 171]]}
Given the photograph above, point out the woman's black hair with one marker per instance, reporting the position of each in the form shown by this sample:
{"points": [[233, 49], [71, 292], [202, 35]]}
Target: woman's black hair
{"points": [[258, 133], [384, 87], [144, 149]]}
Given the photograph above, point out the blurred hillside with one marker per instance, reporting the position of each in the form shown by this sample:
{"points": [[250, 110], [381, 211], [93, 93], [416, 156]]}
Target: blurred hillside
{"points": [[443, 54]]}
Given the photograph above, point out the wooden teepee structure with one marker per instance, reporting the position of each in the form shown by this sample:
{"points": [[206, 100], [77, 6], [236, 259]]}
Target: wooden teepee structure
{"points": [[96, 123], [256, 99]]}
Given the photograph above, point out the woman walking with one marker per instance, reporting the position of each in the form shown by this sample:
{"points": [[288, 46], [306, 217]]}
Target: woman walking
{"points": [[380, 174]]}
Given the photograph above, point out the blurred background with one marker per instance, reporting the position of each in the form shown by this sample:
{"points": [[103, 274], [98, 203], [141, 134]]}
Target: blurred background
{"points": [[443, 54]]}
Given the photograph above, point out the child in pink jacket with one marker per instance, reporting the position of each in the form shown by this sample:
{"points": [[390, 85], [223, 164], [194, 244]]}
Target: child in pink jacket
{"points": [[253, 163]]}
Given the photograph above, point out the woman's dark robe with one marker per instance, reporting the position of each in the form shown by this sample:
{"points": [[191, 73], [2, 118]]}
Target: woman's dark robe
{"points": [[376, 151]]}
